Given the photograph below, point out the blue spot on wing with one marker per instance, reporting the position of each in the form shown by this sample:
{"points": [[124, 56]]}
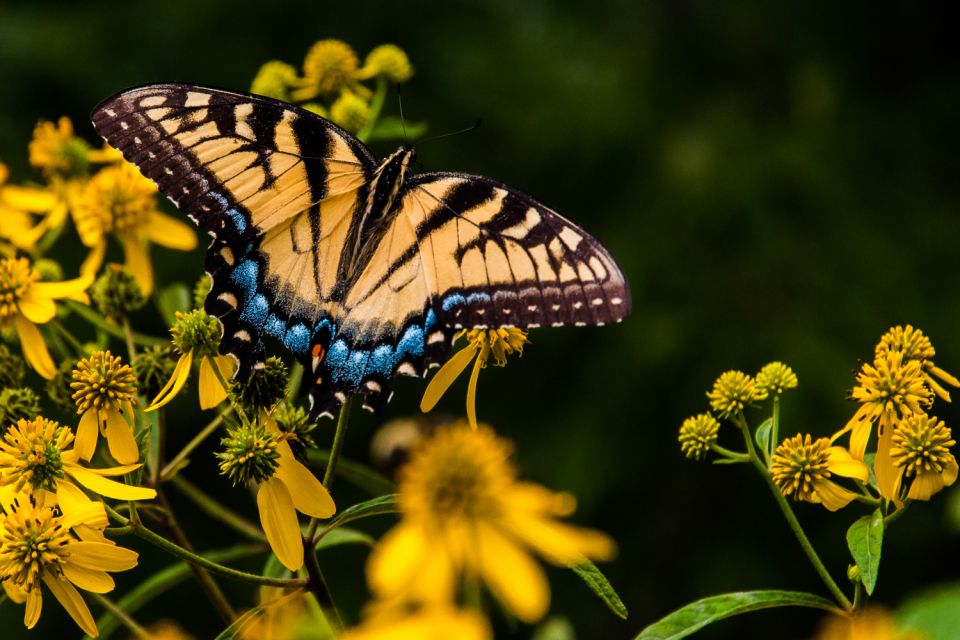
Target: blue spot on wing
{"points": [[297, 338], [246, 276], [255, 311], [452, 301], [352, 366], [239, 222]]}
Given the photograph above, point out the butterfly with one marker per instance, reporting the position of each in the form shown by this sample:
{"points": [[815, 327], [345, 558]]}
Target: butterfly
{"points": [[363, 269]]}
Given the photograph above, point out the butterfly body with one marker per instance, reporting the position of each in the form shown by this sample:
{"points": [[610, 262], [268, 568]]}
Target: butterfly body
{"points": [[363, 270]]}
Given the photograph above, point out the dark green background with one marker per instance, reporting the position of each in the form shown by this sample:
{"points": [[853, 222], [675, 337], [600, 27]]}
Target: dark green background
{"points": [[777, 180]]}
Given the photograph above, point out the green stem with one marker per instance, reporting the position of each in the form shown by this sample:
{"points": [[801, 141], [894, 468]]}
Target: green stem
{"points": [[376, 105], [858, 595], [124, 618], [338, 437], [727, 453], [226, 387], [100, 322], [792, 519], [69, 337], [293, 382], [128, 338], [893, 517], [170, 470], [199, 561], [774, 430], [216, 510], [318, 587]]}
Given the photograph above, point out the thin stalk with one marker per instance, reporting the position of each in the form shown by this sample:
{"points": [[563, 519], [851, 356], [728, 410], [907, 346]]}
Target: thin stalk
{"points": [[124, 618], [893, 517], [727, 453], [69, 337], [226, 387], [376, 105], [858, 595], [774, 430], [318, 587], [196, 560], [100, 322], [216, 510], [171, 468], [792, 519], [342, 419], [128, 338]]}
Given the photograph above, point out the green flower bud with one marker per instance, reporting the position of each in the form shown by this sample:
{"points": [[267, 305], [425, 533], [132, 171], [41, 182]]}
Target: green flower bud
{"points": [[17, 403], [12, 368], [200, 291], [196, 331], [294, 420], [153, 366], [116, 292], [49, 270], [59, 390], [265, 387], [250, 454]]}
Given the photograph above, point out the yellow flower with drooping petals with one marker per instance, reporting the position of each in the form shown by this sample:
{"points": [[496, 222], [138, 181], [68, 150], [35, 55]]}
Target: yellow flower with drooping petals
{"points": [[481, 344], [119, 200], [104, 390], [55, 149], [436, 622], [916, 346], [259, 453], [389, 61], [25, 302], [802, 468], [34, 457], [197, 334], [466, 514], [18, 206], [37, 546], [920, 451], [889, 390]]}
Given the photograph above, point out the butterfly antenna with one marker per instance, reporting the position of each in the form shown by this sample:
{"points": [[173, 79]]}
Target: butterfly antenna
{"points": [[473, 127], [403, 122]]}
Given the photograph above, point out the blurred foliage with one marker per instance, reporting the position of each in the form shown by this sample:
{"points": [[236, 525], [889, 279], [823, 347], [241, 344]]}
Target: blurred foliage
{"points": [[777, 181]]}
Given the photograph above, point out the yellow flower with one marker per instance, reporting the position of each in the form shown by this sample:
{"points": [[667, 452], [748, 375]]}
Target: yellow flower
{"points": [[733, 391], [197, 334], [56, 150], [889, 390], [869, 624], [119, 200], [465, 516], [34, 455], [36, 547], [330, 65], [25, 302], [167, 630], [916, 346], [284, 616], [802, 468], [921, 450], [260, 453], [350, 111], [697, 434], [274, 80], [437, 622], [775, 378], [18, 205], [389, 61], [481, 344], [104, 390]]}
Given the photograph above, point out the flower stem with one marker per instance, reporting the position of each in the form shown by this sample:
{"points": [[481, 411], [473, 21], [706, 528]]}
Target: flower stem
{"points": [[170, 470], [226, 387], [792, 519], [730, 455], [125, 619], [318, 587], [774, 430], [100, 322], [216, 510], [338, 436], [196, 560], [69, 337], [376, 104], [128, 338]]}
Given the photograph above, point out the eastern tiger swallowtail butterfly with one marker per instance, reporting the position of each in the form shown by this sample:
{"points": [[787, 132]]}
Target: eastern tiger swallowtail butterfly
{"points": [[362, 269]]}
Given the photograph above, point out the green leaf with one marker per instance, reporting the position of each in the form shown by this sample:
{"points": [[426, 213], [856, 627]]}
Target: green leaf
{"points": [[373, 507], [344, 535], [176, 297], [599, 584], [359, 475], [697, 615], [865, 538], [935, 612], [392, 128], [762, 434]]}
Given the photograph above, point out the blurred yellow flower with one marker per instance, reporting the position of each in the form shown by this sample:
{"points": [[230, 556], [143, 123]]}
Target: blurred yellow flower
{"points": [[437, 622], [802, 468], [104, 389], [36, 547], [19, 205], [921, 451], [481, 344], [330, 66], [350, 111], [870, 624], [916, 346], [284, 616], [167, 630], [26, 302], [274, 80], [389, 61], [465, 515], [55, 149], [119, 200]]}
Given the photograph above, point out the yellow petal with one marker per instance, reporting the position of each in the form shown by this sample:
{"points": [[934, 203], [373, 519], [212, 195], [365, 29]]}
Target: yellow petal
{"points": [[472, 394], [175, 383], [120, 440], [396, 559], [137, 260], [31, 615], [170, 232], [560, 543], [859, 436], [34, 349], [833, 496], [71, 600], [77, 507], [15, 593], [29, 199], [37, 309], [950, 471], [65, 289], [103, 557], [883, 468], [109, 488], [92, 580], [443, 378], [512, 575], [529, 497], [91, 534], [91, 264], [279, 520], [842, 463], [308, 494], [925, 485], [212, 392], [119, 470], [87, 433]]}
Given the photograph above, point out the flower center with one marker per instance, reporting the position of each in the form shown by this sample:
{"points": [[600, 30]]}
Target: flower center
{"points": [[799, 465], [16, 276], [733, 391], [116, 199], [497, 342], [101, 381], [32, 540], [196, 331], [921, 444], [33, 449], [250, 454]]}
